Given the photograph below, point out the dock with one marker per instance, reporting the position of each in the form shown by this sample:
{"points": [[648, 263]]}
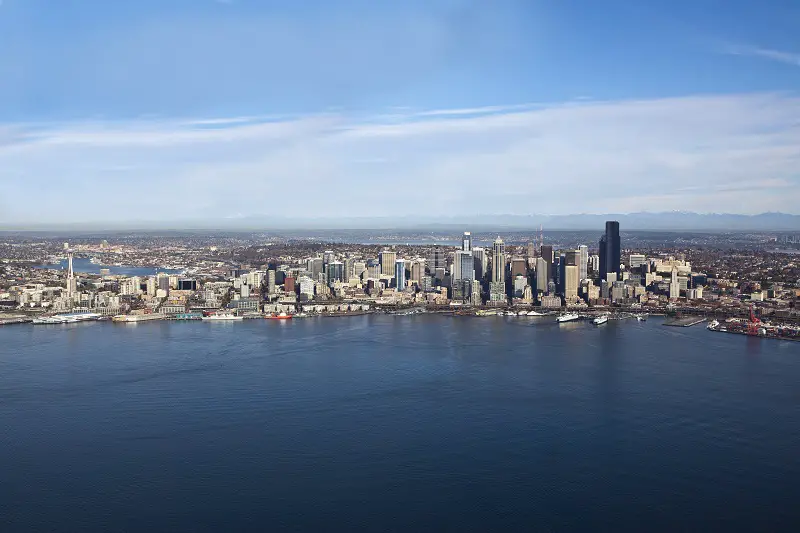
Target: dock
{"points": [[8, 320], [685, 321]]}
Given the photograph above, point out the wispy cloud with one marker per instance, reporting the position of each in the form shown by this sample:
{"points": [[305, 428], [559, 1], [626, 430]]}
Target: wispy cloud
{"points": [[781, 56], [711, 153]]}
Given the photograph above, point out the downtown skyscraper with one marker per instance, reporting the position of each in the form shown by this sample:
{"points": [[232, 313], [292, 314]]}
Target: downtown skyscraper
{"points": [[610, 252], [499, 261], [498, 285]]}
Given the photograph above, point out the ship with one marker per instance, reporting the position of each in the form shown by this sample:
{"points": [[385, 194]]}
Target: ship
{"points": [[641, 318], [535, 313], [279, 316], [599, 321], [66, 318], [568, 317], [222, 316], [132, 319]]}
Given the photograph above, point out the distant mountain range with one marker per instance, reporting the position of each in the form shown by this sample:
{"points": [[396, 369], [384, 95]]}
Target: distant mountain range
{"points": [[665, 221]]}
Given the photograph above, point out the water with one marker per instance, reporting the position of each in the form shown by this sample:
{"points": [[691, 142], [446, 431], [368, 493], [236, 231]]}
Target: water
{"points": [[379, 423], [86, 266]]}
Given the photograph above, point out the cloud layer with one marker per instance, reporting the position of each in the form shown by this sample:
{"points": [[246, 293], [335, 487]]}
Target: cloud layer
{"points": [[732, 153]]}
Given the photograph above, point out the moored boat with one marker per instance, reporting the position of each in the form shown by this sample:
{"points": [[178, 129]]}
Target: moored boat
{"points": [[568, 317], [279, 316], [66, 318], [222, 316]]}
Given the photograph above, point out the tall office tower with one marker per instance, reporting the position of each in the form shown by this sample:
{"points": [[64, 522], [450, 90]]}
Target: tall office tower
{"points": [[519, 267], [531, 251], [561, 273], [400, 274], [315, 267], [387, 260], [136, 285], [349, 268], [595, 261], [603, 251], [288, 284], [674, 285], [163, 282], [611, 242], [373, 269], [417, 271], [480, 262], [438, 258], [583, 266], [541, 275], [466, 242], [359, 267], [571, 281], [499, 261], [573, 257], [455, 268], [150, 283], [467, 267], [547, 254], [335, 271], [271, 281], [327, 256]]}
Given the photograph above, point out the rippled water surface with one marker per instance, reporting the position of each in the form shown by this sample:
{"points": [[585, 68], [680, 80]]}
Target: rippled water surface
{"points": [[379, 423]]}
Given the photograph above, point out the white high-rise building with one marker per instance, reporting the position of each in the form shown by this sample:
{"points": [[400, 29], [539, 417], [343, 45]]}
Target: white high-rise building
{"points": [[466, 242], [152, 286], [307, 287], [481, 261], [595, 260], [674, 285], [499, 261], [583, 257]]}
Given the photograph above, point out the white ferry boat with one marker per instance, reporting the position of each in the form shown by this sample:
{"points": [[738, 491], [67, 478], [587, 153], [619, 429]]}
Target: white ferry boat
{"points": [[223, 316], [66, 318], [600, 320], [126, 319], [568, 317], [535, 313]]}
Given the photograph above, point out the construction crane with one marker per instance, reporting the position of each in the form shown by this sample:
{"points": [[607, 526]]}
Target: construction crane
{"points": [[753, 325]]}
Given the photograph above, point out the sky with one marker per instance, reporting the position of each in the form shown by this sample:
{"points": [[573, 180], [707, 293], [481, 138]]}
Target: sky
{"points": [[185, 109]]}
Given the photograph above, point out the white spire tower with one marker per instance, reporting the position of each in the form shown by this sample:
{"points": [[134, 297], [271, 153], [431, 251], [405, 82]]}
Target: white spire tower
{"points": [[71, 285]]}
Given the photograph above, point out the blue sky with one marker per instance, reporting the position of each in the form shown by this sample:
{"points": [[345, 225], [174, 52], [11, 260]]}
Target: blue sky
{"points": [[396, 108]]}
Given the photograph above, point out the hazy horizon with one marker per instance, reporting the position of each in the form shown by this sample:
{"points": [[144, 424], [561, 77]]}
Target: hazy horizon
{"points": [[641, 221]]}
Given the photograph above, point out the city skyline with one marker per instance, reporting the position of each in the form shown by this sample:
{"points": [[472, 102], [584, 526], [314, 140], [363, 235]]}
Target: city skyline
{"points": [[669, 106]]}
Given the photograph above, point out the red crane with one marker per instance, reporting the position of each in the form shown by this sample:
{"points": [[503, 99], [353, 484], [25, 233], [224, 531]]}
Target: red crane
{"points": [[752, 326]]}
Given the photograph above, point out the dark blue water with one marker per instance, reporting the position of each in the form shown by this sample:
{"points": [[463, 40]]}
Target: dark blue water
{"points": [[378, 423], [86, 266]]}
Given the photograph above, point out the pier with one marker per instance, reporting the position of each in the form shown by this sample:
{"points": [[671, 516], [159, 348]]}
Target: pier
{"points": [[685, 321]]}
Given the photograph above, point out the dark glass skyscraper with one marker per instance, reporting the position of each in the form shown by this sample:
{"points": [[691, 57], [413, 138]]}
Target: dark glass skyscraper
{"points": [[547, 255], [610, 258]]}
